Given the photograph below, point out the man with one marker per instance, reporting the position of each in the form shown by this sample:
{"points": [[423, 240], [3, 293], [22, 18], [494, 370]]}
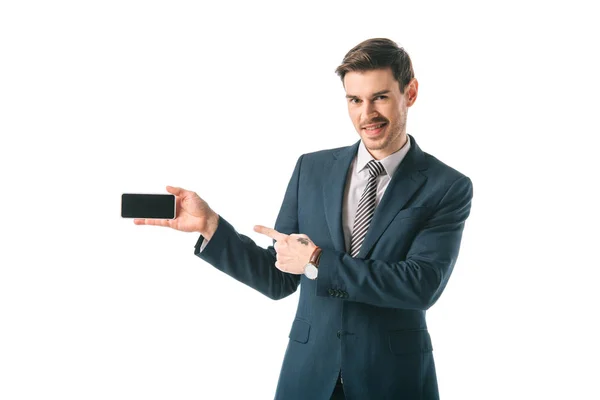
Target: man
{"points": [[372, 243]]}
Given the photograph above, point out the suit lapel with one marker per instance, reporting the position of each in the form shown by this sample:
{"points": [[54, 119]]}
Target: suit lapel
{"points": [[333, 193], [406, 181]]}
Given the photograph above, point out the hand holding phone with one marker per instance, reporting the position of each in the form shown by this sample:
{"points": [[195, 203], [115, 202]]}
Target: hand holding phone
{"points": [[191, 214]]}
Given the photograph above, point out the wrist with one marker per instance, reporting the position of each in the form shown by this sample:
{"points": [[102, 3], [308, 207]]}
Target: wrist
{"points": [[311, 269], [210, 226]]}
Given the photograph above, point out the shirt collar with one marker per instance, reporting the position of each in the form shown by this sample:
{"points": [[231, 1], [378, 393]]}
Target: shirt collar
{"points": [[390, 163]]}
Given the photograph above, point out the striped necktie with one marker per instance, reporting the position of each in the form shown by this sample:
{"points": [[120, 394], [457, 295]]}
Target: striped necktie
{"points": [[366, 208]]}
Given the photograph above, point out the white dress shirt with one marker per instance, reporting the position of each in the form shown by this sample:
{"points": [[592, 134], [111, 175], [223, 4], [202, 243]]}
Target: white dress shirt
{"points": [[356, 181], [358, 176]]}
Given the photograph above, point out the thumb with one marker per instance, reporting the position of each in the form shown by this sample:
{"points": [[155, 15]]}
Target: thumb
{"points": [[177, 191]]}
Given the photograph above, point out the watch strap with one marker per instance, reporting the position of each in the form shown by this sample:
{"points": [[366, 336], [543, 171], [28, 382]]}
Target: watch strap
{"points": [[316, 255]]}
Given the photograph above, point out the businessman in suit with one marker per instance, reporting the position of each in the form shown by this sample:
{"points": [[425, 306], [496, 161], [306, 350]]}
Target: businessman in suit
{"points": [[370, 233]]}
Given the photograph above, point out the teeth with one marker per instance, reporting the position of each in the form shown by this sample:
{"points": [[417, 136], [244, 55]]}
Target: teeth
{"points": [[374, 127]]}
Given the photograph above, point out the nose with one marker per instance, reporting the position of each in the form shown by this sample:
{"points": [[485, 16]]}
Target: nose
{"points": [[369, 111]]}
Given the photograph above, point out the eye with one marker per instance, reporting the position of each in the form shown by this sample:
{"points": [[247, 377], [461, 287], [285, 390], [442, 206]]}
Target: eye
{"points": [[382, 97], [354, 100]]}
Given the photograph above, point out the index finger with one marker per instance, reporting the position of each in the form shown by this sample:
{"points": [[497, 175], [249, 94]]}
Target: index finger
{"points": [[270, 232]]}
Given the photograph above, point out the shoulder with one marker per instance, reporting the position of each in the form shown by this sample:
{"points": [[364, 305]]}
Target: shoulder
{"points": [[446, 182], [436, 167], [430, 165], [327, 153], [327, 157], [441, 177]]}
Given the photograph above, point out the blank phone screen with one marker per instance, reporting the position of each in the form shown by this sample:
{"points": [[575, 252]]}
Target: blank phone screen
{"points": [[160, 206]]}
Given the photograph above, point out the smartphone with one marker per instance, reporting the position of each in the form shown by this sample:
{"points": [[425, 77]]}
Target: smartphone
{"points": [[155, 206]]}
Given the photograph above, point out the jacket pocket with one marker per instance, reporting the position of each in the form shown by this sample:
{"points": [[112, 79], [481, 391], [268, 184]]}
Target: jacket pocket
{"points": [[409, 341], [300, 331]]}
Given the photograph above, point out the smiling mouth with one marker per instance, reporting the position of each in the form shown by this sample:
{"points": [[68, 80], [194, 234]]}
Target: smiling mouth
{"points": [[374, 127]]}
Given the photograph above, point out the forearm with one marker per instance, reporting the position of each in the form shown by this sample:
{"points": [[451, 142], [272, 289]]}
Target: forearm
{"points": [[239, 257], [409, 284]]}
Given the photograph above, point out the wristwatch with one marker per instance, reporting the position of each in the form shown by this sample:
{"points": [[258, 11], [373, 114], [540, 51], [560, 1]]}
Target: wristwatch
{"points": [[311, 270]]}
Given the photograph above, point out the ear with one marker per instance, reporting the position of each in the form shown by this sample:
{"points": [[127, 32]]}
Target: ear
{"points": [[411, 91]]}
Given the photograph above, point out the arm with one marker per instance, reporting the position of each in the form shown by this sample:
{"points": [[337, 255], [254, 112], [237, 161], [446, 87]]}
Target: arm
{"points": [[238, 256], [418, 281]]}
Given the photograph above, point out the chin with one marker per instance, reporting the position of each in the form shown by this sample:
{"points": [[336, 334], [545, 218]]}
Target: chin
{"points": [[374, 143]]}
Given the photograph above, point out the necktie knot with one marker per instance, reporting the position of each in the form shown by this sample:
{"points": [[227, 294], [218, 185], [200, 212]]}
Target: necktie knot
{"points": [[375, 168]]}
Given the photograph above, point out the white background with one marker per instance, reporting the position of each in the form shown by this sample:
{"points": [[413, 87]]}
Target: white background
{"points": [[100, 98]]}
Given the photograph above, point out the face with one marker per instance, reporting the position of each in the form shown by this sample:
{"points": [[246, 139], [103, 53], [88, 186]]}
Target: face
{"points": [[378, 110]]}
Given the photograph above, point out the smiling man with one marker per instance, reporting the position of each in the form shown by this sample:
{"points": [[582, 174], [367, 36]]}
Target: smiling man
{"points": [[379, 117], [371, 243]]}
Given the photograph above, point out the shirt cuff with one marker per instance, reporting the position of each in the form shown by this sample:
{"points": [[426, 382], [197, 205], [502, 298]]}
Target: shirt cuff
{"points": [[202, 241]]}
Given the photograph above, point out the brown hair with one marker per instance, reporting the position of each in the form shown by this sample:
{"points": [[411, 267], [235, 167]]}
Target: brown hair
{"points": [[375, 54]]}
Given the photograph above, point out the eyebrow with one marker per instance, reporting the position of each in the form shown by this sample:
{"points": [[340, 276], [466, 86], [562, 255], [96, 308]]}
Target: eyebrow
{"points": [[351, 96]]}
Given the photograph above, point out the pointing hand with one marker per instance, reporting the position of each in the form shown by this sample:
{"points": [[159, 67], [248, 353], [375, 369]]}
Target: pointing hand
{"points": [[293, 251]]}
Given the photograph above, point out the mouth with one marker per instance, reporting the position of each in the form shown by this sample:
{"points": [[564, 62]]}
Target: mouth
{"points": [[374, 129]]}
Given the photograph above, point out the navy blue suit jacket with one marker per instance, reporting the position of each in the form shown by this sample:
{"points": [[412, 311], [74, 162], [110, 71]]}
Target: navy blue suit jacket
{"points": [[363, 316]]}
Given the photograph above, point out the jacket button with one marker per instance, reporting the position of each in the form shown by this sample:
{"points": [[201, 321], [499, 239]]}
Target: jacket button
{"points": [[339, 334], [331, 292]]}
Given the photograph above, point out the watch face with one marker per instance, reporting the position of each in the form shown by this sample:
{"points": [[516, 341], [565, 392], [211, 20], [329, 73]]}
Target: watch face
{"points": [[311, 271]]}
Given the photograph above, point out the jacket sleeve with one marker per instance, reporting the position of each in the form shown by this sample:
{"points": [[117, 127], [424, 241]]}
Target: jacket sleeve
{"points": [[414, 283], [240, 257]]}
